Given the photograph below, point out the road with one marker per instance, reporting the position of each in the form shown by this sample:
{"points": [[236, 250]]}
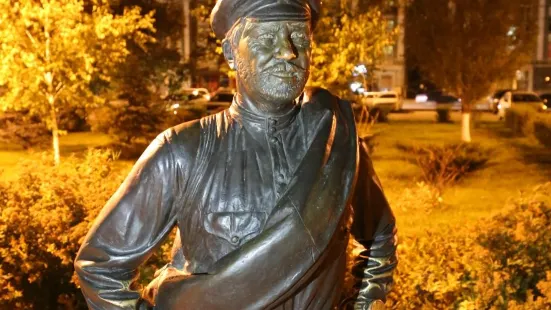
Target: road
{"points": [[412, 105], [430, 116]]}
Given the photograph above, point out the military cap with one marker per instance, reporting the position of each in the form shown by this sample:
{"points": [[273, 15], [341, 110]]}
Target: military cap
{"points": [[226, 12]]}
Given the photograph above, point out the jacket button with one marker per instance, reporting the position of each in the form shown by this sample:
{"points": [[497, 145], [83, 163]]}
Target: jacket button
{"points": [[234, 239]]}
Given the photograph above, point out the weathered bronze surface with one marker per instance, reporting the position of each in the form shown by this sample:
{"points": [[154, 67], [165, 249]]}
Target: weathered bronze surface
{"points": [[262, 193]]}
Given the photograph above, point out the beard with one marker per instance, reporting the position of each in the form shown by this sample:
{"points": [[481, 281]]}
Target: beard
{"points": [[270, 87]]}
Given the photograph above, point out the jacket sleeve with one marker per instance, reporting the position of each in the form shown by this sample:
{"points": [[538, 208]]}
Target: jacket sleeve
{"points": [[128, 229], [374, 228]]}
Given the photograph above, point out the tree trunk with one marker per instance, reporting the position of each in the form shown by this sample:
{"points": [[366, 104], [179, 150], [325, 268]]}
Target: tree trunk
{"points": [[55, 129], [51, 93], [466, 126], [466, 113]]}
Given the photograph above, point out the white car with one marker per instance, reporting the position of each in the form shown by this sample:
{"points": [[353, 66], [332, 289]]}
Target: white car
{"points": [[386, 100], [220, 100], [187, 98], [519, 98]]}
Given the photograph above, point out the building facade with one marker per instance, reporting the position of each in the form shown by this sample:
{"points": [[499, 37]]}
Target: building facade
{"points": [[391, 72], [198, 49], [536, 76]]}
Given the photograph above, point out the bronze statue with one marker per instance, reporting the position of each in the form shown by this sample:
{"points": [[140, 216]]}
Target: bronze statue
{"points": [[264, 194]]}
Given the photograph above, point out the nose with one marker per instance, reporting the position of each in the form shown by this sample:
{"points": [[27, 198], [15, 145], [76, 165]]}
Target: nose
{"points": [[285, 50]]}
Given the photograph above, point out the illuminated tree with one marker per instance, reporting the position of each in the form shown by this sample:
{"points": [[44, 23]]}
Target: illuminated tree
{"points": [[52, 51], [348, 35], [465, 46]]}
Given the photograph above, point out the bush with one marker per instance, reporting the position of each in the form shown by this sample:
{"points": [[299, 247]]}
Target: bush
{"points": [[528, 122], [518, 243], [443, 115], [364, 127], [542, 130], [45, 213], [24, 130], [420, 198], [72, 120], [443, 165], [137, 120], [132, 124], [520, 119], [501, 263], [99, 118], [435, 270]]}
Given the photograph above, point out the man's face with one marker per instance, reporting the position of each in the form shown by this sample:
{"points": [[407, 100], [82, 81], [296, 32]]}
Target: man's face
{"points": [[273, 61]]}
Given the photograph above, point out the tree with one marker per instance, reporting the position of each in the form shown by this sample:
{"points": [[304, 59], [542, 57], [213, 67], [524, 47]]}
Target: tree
{"points": [[348, 35], [53, 50], [144, 79], [465, 46]]}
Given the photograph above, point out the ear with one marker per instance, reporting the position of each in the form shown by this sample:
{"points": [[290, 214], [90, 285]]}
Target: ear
{"points": [[228, 53]]}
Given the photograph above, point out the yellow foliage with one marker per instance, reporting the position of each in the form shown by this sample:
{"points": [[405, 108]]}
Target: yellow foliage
{"points": [[44, 215], [53, 49], [502, 263], [345, 39]]}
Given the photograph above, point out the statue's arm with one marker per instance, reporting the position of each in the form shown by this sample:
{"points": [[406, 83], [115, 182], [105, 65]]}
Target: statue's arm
{"points": [[375, 229], [128, 229]]}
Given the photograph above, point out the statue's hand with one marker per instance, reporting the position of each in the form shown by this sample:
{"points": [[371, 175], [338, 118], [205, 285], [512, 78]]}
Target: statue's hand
{"points": [[363, 304], [182, 290]]}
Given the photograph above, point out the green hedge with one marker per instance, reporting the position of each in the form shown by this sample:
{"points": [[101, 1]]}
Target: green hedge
{"points": [[542, 130], [528, 122]]}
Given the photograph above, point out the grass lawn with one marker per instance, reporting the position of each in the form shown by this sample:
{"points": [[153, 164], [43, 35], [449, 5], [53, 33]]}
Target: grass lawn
{"points": [[517, 164], [69, 144]]}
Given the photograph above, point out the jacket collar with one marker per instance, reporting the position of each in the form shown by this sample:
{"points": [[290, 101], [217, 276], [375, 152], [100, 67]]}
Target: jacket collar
{"points": [[258, 123]]}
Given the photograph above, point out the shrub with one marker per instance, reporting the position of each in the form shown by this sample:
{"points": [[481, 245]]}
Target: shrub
{"points": [[132, 123], [443, 115], [72, 119], [520, 119], [99, 118], [364, 127], [24, 130], [420, 198], [444, 165], [518, 243], [542, 130], [137, 120], [45, 213], [434, 270], [501, 263], [527, 121]]}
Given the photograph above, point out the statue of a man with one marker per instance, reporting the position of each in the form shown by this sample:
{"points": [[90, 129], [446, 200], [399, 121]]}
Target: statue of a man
{"points": [[264, 194]]}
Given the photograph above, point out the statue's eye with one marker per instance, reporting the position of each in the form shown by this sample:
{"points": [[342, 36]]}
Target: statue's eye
{"points": [[266, 39], [300, 39]]}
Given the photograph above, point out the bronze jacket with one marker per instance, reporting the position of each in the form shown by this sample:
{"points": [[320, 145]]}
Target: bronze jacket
{"points": [[262, 206]]}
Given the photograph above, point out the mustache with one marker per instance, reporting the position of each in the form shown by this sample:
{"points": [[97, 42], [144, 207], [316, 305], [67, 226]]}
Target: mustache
{"points": [[284, 67]]}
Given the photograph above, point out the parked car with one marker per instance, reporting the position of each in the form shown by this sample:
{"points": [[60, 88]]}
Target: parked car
{"points": [[493, 100], [388, 100], [440, 99], [186, 98], [546, 97], [379, 104], [512, 98], [220, 100]]}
